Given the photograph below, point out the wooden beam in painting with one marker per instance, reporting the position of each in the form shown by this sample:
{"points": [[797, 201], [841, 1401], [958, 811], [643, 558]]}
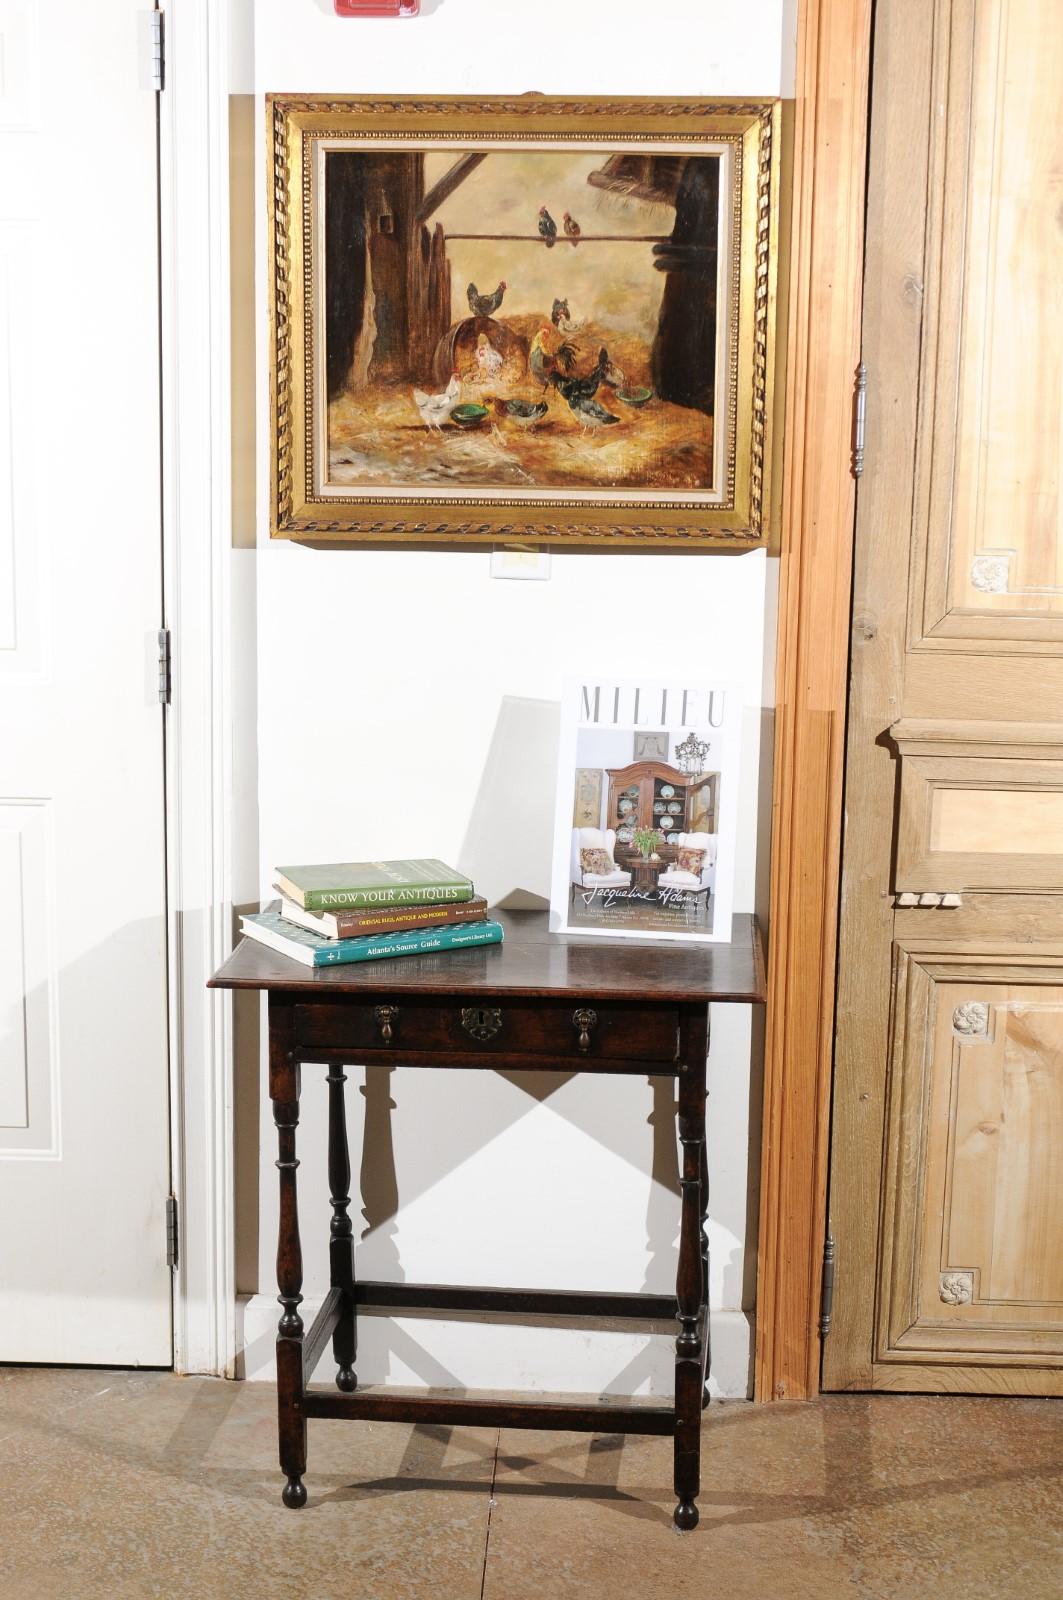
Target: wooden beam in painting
{"points": [[584, 238], [452, 179]]}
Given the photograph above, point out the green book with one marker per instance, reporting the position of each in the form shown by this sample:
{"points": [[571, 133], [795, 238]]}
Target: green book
{"points": [[315, 951], [373, 883]]}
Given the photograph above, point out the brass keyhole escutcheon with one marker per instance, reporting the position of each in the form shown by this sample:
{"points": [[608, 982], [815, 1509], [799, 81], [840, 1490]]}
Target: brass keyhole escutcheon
{"points": [[482, 1022], [584, 1019], [385, 1017]]}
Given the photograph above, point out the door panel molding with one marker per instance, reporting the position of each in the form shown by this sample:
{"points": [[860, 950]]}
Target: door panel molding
{"points": [[969, 1270], [986, 559], [980, 806], [945, 1378], [29, 1032], [969, 823], [22, 623]]}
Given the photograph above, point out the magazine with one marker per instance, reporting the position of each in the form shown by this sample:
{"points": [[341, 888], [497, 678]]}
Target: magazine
{"points": [[647, 805]]}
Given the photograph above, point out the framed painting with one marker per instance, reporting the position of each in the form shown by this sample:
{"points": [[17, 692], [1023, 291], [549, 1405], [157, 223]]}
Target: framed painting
{"points": [[650, 747], [537, 320], [587, 798]]}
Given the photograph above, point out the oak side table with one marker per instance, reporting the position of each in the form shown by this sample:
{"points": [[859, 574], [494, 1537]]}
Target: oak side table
{"points": [[546, 1001]]}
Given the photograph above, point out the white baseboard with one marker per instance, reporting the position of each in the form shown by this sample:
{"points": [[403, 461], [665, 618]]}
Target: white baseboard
{"points": [[472, 1352]]}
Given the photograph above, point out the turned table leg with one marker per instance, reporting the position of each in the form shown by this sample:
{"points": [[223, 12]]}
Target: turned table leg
{"points": [[705, 1257], [284, 1092], [690, 1285], [341, 1240]]}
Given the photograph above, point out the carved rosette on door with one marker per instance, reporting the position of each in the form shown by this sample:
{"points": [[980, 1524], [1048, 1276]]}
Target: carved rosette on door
{"points": [[957, 1288]]}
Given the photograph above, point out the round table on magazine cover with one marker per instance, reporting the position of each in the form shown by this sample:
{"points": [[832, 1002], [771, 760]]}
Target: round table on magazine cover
{"points": [[645, 872]]}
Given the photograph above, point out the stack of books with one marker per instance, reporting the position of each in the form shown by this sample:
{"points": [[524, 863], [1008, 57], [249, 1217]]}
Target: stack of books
{"points": [[366, 910]]}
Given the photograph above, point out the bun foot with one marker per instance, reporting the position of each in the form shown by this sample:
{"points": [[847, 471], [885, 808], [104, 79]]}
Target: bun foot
{"points": [[294, 1494], [686, 1515], [346, 1380]]}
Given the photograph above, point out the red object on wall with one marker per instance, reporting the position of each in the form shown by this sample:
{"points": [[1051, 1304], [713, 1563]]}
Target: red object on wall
{"points": [[377, 8]]}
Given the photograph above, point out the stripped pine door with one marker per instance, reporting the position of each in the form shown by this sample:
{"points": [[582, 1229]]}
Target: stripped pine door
{"points": [[84, 1109], [946, 1187]]}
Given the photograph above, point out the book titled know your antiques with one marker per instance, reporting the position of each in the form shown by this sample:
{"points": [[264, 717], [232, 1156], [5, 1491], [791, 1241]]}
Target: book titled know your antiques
{"points": [[647, 804]]}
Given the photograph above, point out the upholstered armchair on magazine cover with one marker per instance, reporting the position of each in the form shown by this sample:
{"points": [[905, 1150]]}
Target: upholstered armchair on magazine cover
{"points": [[593, 876], [679, 877]]}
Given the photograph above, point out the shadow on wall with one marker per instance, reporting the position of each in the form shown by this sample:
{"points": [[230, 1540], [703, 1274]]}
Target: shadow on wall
{"points": [[384, 1342], [507, 851], [509, 840], [248, 1089], [758, 1020]]}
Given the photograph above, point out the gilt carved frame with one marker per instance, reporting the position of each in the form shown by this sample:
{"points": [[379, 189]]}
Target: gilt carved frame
{"points": [[741, 517]]}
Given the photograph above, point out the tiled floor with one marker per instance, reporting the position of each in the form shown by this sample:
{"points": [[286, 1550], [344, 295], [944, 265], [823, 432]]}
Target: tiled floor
{"points": [[142, 1484]]}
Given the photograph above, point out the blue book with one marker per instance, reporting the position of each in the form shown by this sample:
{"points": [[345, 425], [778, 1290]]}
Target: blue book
{"points": [[313, 950]]}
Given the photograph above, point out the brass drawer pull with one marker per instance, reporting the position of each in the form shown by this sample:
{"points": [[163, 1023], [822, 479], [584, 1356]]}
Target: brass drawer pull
{"points": [[584, 1019], [385, 1016], [483, 1022]]}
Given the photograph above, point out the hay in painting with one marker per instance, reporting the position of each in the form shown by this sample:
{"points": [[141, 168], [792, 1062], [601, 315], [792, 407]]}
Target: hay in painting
{"points": [[520, 321]]}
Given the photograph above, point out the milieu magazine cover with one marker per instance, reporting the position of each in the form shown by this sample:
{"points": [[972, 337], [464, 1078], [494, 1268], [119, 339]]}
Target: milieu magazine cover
{"points": [[647, 804]]}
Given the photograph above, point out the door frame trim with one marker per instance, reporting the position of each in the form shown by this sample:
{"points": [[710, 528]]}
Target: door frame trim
{"points": [[817, 530], [197, 538]]}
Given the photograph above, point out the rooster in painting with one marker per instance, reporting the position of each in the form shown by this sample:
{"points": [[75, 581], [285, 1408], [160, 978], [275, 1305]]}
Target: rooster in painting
{"points": [[547, 228], [577, 389], [435, 409], [580, 392], [485, 305], [549, 353], [572, 228]]}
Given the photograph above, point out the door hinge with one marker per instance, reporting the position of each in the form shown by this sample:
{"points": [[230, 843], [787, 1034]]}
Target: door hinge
{"points": [[171, 1230], [826, 1296], [165, 673], [859, 419], [152, 51]]}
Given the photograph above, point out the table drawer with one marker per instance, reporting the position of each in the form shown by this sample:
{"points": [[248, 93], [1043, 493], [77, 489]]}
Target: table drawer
{"points": [[611, 1031]]}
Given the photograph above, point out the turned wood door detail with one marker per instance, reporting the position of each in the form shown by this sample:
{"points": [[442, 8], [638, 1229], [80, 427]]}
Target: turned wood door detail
{"points": [[946, 1182]]}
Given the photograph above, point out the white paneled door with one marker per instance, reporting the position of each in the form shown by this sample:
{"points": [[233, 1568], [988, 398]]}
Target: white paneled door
{"points": [[84, 1119]]}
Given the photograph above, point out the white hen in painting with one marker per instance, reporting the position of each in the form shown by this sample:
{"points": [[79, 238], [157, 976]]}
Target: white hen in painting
{"points": [[435, 409]]}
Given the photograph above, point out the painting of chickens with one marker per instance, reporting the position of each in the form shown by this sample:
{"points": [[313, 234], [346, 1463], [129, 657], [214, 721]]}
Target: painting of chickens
{"points": [[465, 350], [534, 316]]}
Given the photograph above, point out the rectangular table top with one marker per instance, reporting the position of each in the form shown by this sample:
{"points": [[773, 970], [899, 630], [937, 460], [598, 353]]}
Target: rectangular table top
{"points": [[530, 961]]}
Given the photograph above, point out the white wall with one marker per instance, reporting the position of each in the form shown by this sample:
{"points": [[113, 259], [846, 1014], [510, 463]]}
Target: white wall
{"points": [[408, 703]]}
